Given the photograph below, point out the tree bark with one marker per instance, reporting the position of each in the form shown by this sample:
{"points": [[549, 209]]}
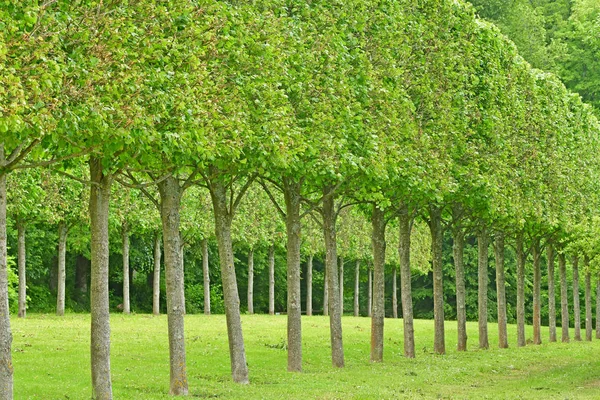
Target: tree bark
{"points": [[377, 320], [520, 291], [309, 279], [170, 196], [342, 285], [588, 300], [370, 294], [356, 287], [223, 218], [564, 300], [458, 248], [125, 238], [335, 317], [22, 262], [294, 305], [251, 281], [435, 226], [100, 328], [6, 365], [156, 277], [576, 305], [405, 282], [537, 293], [551, 294], [62, 272], [206, 276], [394, 293], [271, 280], [501, 290], [482, 262]]}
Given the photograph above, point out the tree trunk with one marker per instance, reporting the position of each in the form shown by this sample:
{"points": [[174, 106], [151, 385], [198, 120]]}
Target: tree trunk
{"points": [[405, 282], [482, 244], [520, 291], [294, 304], [435, 226], [206, 276], [377, 320], [100, 329], [62, 271], [125, 238], [251, 281], [325, 293], [22, 262], [156, 278], [342, 285], [370, 294], [501, 290], [309, 279], [576, 305], [598, 305], [271, 280], [394, 293], [170, 196], [335, 317], [6, 365], [82, 271], [564, 300], [588, 300], [356, 287], [551, 293], [537, 293], [181, 257], [223, 217], [461, 310]]}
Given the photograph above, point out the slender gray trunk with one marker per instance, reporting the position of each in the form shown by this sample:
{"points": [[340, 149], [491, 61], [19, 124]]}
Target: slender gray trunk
{"points": [[125, 238], [356, 287], [576, 305], [377, 320], [405, 281], [520, 291], [6, 365], [342, 285], [294, 304], [588, 299], [394, 293], [335, 317], [223, 218], [551, 293], [251, 281], [564, 300], [100, 328], [435, 226], [458, 248], [370, 294], [325, 293], [483, 244], [156, 277], [62, 271], [22, 263], [537, 293], [501, 290], [206, 276], [309, 279], [271, 280], [170, 196]]}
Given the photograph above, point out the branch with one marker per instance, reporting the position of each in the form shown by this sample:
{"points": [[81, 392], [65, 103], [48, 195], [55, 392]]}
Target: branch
{"points": [[84, 181], [54, 160], [190, 180], [314, 205], [19, 154], [312, 215], [264, 186], [243, 191]]}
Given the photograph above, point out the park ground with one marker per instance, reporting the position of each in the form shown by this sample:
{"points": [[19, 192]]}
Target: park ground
{"points": [[51, 361]]}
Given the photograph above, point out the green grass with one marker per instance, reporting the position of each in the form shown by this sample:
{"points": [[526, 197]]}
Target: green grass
{"points": [[51, 361]]}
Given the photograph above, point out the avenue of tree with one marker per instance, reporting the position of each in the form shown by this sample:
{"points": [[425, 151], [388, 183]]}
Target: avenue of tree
{"points": [[375, 140]]}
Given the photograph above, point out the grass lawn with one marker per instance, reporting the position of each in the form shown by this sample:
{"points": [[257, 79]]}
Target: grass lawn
{"points": [[51, 361]]}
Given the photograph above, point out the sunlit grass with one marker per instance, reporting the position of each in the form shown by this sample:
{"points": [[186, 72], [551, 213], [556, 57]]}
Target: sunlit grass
{"points": [[51, 361]]}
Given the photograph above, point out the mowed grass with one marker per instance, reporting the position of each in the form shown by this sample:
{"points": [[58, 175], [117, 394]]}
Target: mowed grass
{"points": [[51, 361]]}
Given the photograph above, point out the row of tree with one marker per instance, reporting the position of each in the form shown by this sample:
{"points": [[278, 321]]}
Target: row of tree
{"points": [[411, 110]]}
